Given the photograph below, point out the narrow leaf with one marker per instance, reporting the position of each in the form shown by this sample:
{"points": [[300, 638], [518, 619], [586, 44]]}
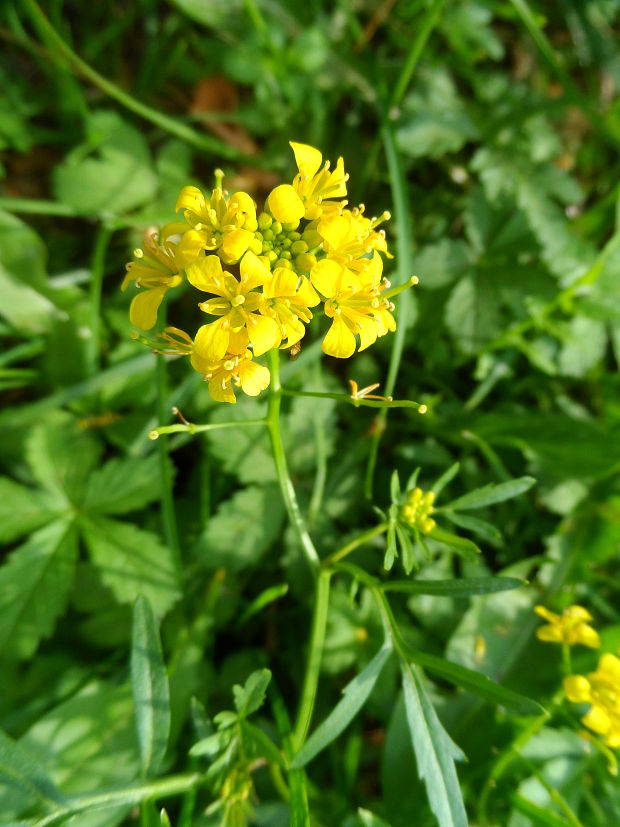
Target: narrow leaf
{"points": [[491, 494], [445, 478], [459, 587], [355, 695], [263, 599], [34, 587], [18, 766], [474, 682], [149, 684], [435, 752], [460, 544], [486, 531]]}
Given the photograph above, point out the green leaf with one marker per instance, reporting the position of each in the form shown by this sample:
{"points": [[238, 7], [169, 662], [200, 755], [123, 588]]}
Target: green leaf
{"points": [[584, 347], [250, 696], [435, 752], [395, 487], [491, 494], [472, 313], [243, 528], [18, 767], [265, 598], [35, 583], [355, 695], [445, 478], [149, 683], [481, 528], [460, 587], [438, 265], [61, 457], [407, 555], [210, 13], [475, 682], [122, 486], [22, 510], [117, 177], [132, 562], [460, 544], [368, 819]]}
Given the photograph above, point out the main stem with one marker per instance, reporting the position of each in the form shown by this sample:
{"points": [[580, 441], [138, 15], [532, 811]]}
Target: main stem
{"points": [[284, 478]]}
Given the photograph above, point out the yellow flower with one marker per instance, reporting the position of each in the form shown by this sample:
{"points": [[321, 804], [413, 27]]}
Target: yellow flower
{"points": [[353, 303], [157, 269], [233, 370], [287, 298], [350, 235], [285, 205], [570, 627], [314, 185], [237, 303], [224, 224], [417, 510], [601, 689]]}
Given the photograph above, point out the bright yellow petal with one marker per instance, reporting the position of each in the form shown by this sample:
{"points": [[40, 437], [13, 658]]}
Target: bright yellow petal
{"points": [[144, 307], [334, 230], [282, 283], [254, 378], [610, 664], [254, 271], [211, 342], [206, 274], [221, 391], [234, 245], [550, 634], [306, 293], [189, 247], [190, 198], [338, 180], [326, 276], [264, 334], [587, 636], [367, 329], [577, 689], [339, 341], [543, 612], [597, 720], [285, 205], [307, 158], [241, 202]]}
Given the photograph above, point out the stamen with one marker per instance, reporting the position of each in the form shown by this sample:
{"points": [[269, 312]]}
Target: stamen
{"points": [[138, 253]]}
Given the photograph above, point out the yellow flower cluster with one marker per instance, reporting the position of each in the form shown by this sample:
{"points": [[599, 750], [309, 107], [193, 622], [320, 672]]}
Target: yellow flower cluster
{"points": [[569, 628], [263, 272], [601, 689], [418, 508]]}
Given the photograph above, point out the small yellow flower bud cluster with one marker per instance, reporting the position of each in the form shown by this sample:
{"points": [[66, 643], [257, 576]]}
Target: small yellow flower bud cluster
{"points": [[305, 248], [417, 510]]}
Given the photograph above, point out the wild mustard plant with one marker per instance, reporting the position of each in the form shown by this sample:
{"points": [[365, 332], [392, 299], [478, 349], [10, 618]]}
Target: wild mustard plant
{"points": [[265, 271]]}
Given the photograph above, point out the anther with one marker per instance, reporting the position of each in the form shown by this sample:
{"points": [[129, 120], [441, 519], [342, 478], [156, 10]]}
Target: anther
{"points": [[138, 253]]}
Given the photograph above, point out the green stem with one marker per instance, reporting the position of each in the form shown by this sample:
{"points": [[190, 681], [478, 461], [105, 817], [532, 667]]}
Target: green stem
{"points": [[320, 442], [167, 496], [313, 665], [166, 122], [356, 542], [359, 402], [192, 428], [97, 267], [38, 206], [284, 479], [163, 788], [406, 311]]}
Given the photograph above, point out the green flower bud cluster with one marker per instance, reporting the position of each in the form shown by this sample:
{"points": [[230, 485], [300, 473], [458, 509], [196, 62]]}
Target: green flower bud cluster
{"points": [[282, 245]]}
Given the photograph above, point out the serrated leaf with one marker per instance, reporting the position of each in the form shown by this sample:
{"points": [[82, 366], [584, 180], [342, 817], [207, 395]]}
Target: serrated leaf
{"points": [[491, 494], [460, 587], [355, 695], [243, 528], [122, 486], [440, 264], [435, 752], [250, 696], [35, 582], [149, 683], [132, 562], [61, 457], [22, 510], [111, 173]]}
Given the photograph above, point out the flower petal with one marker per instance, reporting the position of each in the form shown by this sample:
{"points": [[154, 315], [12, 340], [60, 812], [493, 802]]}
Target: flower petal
{"points": [[577, 688], [339, 341], [285, 205], [307, 158], [189, 247], [326, 276], [211, 341], [190, 198], [254, 271], [206, 274], [264, 334], [254, 378], [597, 719], [144, 307], [234, 245], [221, 390]]}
